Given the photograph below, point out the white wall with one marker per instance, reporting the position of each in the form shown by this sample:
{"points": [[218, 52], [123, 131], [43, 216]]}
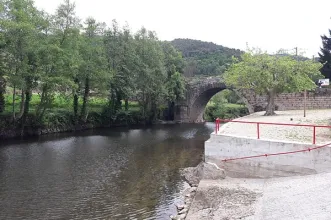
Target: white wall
{"points": [[220, 147]]}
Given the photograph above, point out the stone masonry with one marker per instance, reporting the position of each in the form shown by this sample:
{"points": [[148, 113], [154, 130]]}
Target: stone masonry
{"points": [[200, 91], [317, 99]]}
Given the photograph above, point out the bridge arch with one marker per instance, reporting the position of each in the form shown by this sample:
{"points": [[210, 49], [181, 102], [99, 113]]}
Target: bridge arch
{"points": [[199, 92]]}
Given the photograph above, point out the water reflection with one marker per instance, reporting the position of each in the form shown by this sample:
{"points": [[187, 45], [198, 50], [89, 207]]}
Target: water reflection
{"points": [[101, 174]]}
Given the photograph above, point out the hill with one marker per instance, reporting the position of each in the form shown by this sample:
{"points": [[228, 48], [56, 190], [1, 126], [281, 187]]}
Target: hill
{"points": [[204, 58]]}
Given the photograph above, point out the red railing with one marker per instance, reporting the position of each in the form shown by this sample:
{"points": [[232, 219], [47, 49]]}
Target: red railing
{"points": [[219, 121], [277, 154]]}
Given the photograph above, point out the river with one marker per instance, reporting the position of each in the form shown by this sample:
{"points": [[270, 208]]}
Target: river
{"points": [[99, 174]]}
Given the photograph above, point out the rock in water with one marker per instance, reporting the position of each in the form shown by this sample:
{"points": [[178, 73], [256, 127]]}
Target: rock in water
{"points": [[193, 189], [180, 207], [173, 217], [193, 175], [182, 217], [184, 211]]}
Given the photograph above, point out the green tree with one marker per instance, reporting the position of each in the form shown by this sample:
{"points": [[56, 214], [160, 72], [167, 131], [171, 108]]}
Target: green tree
{"points": [[114, 53], [151, 73], [271, 75], [325, 55], [3, 71], [66, 29], [19, 24], [122, 59], [129, 60], [92, 69], [175, 85]]}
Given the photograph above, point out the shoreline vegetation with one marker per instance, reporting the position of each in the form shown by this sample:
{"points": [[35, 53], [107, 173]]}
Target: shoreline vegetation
{"points": [[60, 119], [60, 73]]}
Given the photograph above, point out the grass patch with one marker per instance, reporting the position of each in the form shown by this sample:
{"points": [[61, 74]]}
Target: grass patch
{"points": [[224, 111], [61, 103]]}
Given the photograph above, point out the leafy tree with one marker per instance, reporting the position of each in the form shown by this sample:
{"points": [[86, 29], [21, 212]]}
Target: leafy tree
{"points": [[67, 28], [174, 64], [3, 70], [114, 55], [151, 74], [271, 75], [92, 69], [19, 25], [325, 55]]}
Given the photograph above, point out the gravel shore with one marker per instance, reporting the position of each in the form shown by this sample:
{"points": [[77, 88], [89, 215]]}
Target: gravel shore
{"points": [[284, 133]]}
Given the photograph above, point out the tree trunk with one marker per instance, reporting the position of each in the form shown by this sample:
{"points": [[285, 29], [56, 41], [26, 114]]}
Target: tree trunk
{"points": [[26, 110], [44, 103], [76, 99], [27, 103], [126, 105], [2, 94], [22, 104], [171, 111], [118, 102], [270, 110], [14, 100], [153, 110], [85, 99]]}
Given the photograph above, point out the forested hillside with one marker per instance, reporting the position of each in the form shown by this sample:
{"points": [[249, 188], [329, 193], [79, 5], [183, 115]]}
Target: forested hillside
{"points": [[204, 58]]}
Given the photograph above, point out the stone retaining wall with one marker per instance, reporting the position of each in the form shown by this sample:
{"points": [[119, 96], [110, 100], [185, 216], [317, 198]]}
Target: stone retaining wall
{"points": [[317, 99]]}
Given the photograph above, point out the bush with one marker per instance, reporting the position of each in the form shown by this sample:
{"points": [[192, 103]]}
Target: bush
{"points": [[225, 111]]}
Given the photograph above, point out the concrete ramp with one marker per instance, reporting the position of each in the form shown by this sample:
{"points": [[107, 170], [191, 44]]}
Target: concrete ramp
{"points": [[287, 198]]}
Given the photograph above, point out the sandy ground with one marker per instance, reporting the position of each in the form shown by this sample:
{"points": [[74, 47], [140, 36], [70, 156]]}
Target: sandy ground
{"points": [[289, 198], [287, 133]]}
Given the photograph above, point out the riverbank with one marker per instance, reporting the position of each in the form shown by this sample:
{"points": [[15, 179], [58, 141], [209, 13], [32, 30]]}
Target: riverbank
{"points": [[295, 196], [11, 132], [66, 123]]}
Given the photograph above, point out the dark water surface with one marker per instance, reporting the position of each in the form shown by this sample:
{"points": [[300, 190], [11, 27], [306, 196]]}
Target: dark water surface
{"points": [[100, 174]]}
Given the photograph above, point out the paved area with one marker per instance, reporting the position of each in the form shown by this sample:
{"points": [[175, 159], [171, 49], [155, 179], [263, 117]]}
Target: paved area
{"points": [[284, 133], [288, 198]]}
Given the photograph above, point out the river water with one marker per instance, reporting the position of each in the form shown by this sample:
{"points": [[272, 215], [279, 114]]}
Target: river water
{"points": [[100, 174]]}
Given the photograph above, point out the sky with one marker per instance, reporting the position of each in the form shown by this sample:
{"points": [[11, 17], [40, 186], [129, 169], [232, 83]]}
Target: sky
{"points": [[268, 24]]}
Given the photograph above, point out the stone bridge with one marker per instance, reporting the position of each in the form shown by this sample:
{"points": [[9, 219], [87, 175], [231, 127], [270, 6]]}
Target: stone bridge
{"points": [[200, 90], [198, 93]]}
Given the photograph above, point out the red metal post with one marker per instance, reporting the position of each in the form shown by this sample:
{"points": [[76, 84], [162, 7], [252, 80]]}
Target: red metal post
{"points": [[314, 135], [217, 125], [258, 130]]}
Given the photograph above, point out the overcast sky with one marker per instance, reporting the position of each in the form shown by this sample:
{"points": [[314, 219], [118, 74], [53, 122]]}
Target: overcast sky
{"points": [[267, 24]]}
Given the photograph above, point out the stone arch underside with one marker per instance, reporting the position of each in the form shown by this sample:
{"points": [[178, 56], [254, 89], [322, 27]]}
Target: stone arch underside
{"points": [[199, 92], [199, 104]]}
